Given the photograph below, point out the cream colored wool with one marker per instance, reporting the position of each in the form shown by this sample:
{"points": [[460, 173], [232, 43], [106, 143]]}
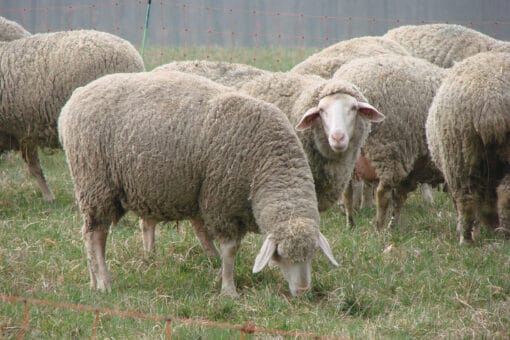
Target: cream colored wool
{"points": [[402, 87], [468, 133], [11, 30], [325, 62], [294, 94], [228, 74], [172, 146], [38, 74], [443, 44]]}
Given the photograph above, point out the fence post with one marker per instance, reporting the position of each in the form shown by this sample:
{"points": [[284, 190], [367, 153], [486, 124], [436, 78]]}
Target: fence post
{"points": [[147, 15]]}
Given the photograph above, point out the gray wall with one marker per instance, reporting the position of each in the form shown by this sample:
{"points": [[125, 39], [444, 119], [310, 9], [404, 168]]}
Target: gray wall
{"points": [[251, 23]]}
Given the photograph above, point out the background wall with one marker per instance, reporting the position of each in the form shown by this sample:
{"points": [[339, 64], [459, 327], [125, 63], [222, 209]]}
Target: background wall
{"points": [[255, 23]]}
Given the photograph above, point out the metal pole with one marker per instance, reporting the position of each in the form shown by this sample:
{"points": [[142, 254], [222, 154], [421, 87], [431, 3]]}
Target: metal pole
{"points": [[147, 14]]}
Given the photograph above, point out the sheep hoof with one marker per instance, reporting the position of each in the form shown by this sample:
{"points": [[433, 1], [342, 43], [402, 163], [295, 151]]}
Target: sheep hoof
{"points": [[229, 291]]}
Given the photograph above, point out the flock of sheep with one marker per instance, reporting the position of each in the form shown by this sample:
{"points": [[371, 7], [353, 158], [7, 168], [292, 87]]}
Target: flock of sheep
{"points": [[236, 149]]}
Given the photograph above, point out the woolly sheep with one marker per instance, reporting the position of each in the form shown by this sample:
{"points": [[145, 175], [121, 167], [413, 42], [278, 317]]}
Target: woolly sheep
{"points": [[172, 146], [11, 30], [38, 74], [443, 44], [228, 74], [468, 133], [325, 62], [332, 118], [395, 153]]}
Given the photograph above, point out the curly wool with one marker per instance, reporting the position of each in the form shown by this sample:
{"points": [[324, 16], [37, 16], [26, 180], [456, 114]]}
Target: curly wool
{"points": [[443, 44], [11, 30], [403, 88], [468, 123], [228, 74], [177, 146], [39, 73], [325, 62], [294, 94]]}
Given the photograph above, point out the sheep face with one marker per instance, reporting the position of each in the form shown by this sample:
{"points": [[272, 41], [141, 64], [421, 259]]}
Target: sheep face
{"points": [[335, 118], [297, 273]]}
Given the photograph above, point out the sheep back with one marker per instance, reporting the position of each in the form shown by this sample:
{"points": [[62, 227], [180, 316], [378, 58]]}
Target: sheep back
{"points": [[325, 62], [11, 30], [468, 125], [228, 74], [441, 44], [39, 73]]}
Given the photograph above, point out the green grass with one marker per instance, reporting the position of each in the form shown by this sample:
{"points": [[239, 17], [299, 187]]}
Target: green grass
{"points": [[275, 59], [412, 282]]}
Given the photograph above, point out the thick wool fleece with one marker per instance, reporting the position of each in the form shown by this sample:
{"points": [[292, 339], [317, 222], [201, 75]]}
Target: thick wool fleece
{"points": [[39, 73], [403, 88], [11, 30], [228, 74], [468, 124], [442, 44], [173, 146], [294, 94], [325, 62]]}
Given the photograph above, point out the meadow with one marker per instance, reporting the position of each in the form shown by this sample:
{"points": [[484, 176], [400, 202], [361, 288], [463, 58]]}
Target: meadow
{"points": [[413, 281]]}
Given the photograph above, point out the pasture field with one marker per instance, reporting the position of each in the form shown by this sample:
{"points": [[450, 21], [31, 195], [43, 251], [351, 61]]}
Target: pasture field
{"points": [[411, 282]]}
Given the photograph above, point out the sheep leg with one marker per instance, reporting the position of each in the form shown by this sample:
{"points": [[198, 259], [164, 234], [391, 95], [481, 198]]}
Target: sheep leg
{"points": [[347, 200], [367, 201], [228, 251], [503, 205], [357, 193], [488, 210], [205, 238], [95, 243], [383, 200], [31, 157], [400, 198], [466, 205], [148, 227]]}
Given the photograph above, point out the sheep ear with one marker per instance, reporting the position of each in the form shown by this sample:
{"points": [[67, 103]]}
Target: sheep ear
{"points": [[370, 113], [265, 254], [308, 119], [324, 245]]}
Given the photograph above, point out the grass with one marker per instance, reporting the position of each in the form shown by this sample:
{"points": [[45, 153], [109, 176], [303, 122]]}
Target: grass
{"points": [[412, 282]]}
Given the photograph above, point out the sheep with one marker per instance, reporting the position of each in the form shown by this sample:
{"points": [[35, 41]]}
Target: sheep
{"points": [[228, 74], [11, 30], [395, 153], [468, 134], [444, 44], [332, 118], [173, 146], [38, 74], [325, 62]]}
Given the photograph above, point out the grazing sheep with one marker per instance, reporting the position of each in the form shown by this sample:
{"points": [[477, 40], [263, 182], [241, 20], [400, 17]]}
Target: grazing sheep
{"points": [[395, 153], [173, 146], [443, 44], [468, 133], [38, 74], [332, 118], [11, 30], [325, 62], [228, 74]]}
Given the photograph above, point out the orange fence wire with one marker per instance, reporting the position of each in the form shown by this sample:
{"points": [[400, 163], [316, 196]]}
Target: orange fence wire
{"points": [[246, 328]]}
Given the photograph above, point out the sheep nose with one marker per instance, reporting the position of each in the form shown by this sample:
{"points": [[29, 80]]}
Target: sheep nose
{"points": [[338, 137]]}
